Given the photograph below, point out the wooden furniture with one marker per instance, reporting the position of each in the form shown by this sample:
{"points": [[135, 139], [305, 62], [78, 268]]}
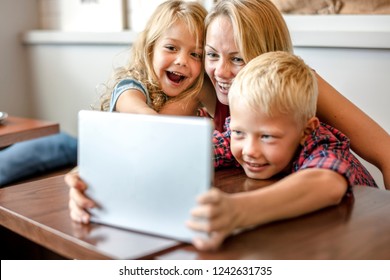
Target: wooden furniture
{"points": [[358, 228], [15, 129]]}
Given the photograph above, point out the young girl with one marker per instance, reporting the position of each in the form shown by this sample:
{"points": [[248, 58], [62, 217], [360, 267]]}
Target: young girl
{"points": [[164, 74], [165, 64]]}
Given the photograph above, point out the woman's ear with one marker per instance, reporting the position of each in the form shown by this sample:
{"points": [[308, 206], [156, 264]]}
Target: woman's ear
{"points": [[309, 127]]}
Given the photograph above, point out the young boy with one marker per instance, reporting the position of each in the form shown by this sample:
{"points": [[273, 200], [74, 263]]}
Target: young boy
{"points": [[274, 131]]}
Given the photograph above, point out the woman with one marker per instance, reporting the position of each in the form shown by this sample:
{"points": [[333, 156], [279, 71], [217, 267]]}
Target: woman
{"points": [[236, 32]]}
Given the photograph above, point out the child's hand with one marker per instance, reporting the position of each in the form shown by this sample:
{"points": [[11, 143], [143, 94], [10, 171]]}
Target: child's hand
{"points": [[217, 215], [78, 202]]}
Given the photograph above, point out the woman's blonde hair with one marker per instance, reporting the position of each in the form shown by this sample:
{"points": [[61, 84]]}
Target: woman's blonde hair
{"points": [[277, 82], [140, 65], [258, 26]]}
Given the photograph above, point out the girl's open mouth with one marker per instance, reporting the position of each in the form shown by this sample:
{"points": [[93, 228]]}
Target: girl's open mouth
{"points": [[175, 77]]}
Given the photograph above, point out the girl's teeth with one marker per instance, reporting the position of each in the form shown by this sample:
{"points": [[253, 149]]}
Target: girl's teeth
{"points": [[176, 73]]}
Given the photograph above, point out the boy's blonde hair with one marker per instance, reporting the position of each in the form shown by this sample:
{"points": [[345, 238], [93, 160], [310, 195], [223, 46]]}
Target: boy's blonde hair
{"points": [[140, 65], [258, 26], [277, 82]]}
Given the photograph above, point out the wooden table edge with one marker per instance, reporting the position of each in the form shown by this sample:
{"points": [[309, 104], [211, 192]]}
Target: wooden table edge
{"points": [[52, 237]]}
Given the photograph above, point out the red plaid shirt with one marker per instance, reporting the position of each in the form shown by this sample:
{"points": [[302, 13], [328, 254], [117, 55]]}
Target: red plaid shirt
{"points": [[325, 148]]}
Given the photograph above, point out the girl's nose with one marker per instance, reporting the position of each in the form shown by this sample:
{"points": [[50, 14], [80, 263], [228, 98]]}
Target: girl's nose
{"points": [[181, 59]]}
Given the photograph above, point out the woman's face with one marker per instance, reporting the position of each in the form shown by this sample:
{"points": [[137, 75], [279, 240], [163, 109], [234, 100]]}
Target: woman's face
{"points": [[223, 60]]}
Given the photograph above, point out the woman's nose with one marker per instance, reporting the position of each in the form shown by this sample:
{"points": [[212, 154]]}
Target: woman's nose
{"points": [[223, 70]]}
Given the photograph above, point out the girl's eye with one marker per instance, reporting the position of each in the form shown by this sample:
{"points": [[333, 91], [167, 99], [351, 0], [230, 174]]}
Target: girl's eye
{"points": [[170, 48], [197, 55]]}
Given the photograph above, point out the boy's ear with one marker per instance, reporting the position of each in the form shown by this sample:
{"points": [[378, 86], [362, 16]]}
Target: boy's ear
{"points": [[310, 126]]}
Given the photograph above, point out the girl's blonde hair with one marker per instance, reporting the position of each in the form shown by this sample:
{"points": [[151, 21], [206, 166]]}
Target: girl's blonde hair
{"points": [[277, 82], [140, 65], [258, 26]]}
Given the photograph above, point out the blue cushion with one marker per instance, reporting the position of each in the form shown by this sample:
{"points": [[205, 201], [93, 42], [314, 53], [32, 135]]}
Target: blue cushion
{"points": [[37, 156]]}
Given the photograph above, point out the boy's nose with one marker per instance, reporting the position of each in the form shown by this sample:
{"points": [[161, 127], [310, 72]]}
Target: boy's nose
{"points": [[251, 148]]}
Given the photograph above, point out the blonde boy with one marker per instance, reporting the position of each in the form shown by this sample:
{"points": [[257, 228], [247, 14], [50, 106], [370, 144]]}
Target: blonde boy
{"points": [[275, 132]]}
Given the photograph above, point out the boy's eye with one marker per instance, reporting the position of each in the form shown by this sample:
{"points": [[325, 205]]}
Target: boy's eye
{"points": [[267, 137], [237, 133]]}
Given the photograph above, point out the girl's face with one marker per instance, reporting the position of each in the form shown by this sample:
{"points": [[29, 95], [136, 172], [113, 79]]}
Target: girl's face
{"points": [[223, 60], [177, 61]]}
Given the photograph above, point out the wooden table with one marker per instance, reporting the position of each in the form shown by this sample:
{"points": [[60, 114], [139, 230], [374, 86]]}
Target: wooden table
{"points": [[15, 129], [358, 228]]}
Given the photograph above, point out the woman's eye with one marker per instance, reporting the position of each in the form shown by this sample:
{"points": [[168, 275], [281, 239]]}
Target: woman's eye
{"points": [[238, 60], [211, 55]]}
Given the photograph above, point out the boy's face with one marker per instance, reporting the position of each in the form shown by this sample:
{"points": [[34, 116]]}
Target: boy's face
{"points": [[177, 59], [263, 146]]}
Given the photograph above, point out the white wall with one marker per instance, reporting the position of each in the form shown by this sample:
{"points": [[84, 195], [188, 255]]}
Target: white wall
{"points": [[361, 75], [16, 16], [65, 78]]}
